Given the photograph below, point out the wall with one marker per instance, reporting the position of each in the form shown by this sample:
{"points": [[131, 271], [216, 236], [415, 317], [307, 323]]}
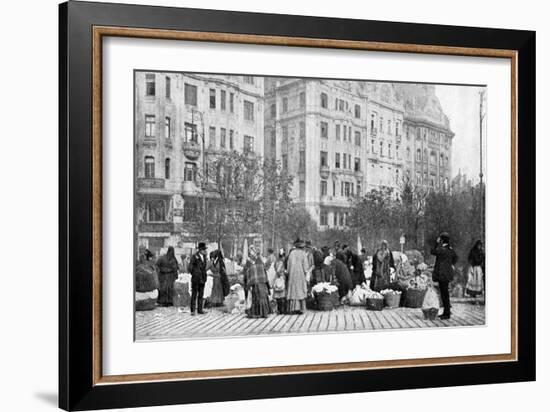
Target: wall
{"points": [[29, 206]]}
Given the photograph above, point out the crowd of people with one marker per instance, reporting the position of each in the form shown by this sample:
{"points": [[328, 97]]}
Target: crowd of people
{"points": [[288, 277]]}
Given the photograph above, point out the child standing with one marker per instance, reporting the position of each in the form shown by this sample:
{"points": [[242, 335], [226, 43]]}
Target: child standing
{"points": [[279, 283]]}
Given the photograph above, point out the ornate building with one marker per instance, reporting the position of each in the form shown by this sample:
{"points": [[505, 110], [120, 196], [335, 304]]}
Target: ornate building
{"points": [[180, 120], [341, 138]]}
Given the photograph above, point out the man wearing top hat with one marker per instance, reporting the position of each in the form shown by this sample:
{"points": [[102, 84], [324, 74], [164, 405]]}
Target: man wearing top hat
{"points": [[445, 259], [197, 268]]}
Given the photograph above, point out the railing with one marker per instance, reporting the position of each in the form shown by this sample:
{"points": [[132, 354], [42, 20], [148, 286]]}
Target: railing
{"points": [[150, 183]]}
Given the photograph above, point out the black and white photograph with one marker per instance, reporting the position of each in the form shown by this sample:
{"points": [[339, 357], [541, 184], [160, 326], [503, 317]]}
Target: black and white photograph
{"points": [[287, 205]]}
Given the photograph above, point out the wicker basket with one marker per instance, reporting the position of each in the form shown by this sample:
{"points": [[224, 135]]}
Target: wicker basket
{"points": [[430, 313], [324, 301], [392, 300], [335, 299], [414, 298], [375, 304]]}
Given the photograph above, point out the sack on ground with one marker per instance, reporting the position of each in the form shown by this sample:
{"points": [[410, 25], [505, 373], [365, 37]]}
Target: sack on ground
{"points": [[431, 299], [358, 296]]}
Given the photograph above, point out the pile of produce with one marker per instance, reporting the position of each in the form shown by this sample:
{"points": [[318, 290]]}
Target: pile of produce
{"points": [[375, 300], [371, 294], [392, 298], [389, 292], [419, 282], [234, 302], [324, 287], [358, 296]]}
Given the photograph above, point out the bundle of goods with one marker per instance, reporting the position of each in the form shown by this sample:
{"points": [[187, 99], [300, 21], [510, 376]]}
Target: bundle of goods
{"points": [[415, 291], [359, 296], [392, 298], [147, 284], [415, 257], [430, 306], [235, 301], [181, 297], [375, 300], [323, 293]]}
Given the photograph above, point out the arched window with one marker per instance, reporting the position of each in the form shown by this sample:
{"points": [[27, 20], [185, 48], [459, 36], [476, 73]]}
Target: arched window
{"points": [[149, 167], [418, 155], [433, 158]]}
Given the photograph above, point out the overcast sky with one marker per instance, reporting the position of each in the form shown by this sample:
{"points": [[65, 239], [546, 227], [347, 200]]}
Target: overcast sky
{"points": [[461, 105]]}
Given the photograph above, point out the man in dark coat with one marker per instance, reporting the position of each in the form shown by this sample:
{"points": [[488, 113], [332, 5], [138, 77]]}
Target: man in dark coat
{"points": [[197, 268], [355, 266], [342, 274], [445, 259]]}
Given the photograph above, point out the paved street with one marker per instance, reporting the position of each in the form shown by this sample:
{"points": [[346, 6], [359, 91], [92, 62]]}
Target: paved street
{"points": [[168, 323]]}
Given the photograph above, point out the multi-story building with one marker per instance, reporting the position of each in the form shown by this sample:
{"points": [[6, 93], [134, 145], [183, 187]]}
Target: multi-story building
{"points": [[180, 120], [342, 138]]}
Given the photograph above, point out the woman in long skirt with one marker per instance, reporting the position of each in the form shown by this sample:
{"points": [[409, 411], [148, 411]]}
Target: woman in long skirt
{"points": [[476, 258], [256, 285], [382, 261], [220, 284], [168, 273]]}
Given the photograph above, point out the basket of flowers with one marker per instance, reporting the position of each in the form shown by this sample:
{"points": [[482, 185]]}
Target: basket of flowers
{"points": [[415, 292], [392, 298], [375, 300], [324, 295]]}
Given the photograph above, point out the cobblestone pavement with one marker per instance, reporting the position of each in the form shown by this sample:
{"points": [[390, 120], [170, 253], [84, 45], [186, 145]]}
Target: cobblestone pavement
{"points": [[169, 323]]}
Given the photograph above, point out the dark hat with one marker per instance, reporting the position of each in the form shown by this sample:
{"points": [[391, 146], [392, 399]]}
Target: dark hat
{"points": [[299, 243], [202, 246], [445, 236]]}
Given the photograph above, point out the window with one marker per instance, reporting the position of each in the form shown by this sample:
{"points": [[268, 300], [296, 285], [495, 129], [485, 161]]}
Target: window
{"points": [[342, 219], [232, 102], [357, 165], [334, 188], [397, 176], [373, 151], [382, 149], [167, 85], [418, 155], [285, 134], [345, 161], [167, 127], [323, 187], [425, 155], [335, 218], [273, 138], [285, 104], [324, 129], [190, 132], [324, 101], [337, 161], [149, 167], [150, 125], [222, 137], [248, 79], [357, 138], [335, 104], [397, 128], [248, 144], [190, 210], [389, 150], [212, 98], [150, 84], [190, 94], [302, 189], [302, 99], [323, 217], [285, 162], [381, 125], [337, 132], [372, 122], [345, 131], [156, 210], [397, 152], [341, 104], [408, 152], [302, 161], [389, 126], [324, 159], [342, 189], [167, 168], [212, 137], [357, 111], [248, 110], [433, 158], [358, 189], [302, 130], [189, 172], [273, 110], [231, 143], [441, 160], [349, 161], [222, 99]]}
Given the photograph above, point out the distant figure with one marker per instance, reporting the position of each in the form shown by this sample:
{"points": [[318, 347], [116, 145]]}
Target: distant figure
{"points": [[279, 284], [445, 259], [363, 257], [197, 268], [185, 263], [220, 284], [382, 261], [168, 273], [317, 274], [256, 285], [297, 268], [355, 266], [476, 272]]}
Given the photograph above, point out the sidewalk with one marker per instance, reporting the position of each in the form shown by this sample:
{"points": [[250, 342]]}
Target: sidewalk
{"points": [[168, 323]]}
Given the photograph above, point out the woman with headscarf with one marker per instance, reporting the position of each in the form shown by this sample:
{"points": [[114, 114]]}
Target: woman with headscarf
{"points": [[296, 288], [256, 284], [220, 283], [382, 261], [476, 258], [341, 273], [168, 273]]}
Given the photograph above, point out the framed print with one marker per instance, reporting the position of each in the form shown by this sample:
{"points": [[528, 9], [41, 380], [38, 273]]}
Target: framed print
{"points": [[257, 205]]}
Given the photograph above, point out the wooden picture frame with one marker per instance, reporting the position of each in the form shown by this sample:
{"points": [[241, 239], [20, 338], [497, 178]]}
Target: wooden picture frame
{"points": [[82, 27]]}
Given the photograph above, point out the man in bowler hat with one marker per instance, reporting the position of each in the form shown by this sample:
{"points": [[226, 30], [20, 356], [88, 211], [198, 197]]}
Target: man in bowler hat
{"points": [[445, 259], [197, 268]]}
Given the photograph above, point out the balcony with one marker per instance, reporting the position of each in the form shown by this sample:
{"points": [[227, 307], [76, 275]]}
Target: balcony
{"points": [[156, 227], [189, 188], [324, 171], [358, 173], [191, 150], [374, 132], [150, 183]]}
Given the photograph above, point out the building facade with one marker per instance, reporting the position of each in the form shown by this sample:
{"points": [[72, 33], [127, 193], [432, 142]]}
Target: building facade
{"points": [[339, 139], [180, 120]]}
